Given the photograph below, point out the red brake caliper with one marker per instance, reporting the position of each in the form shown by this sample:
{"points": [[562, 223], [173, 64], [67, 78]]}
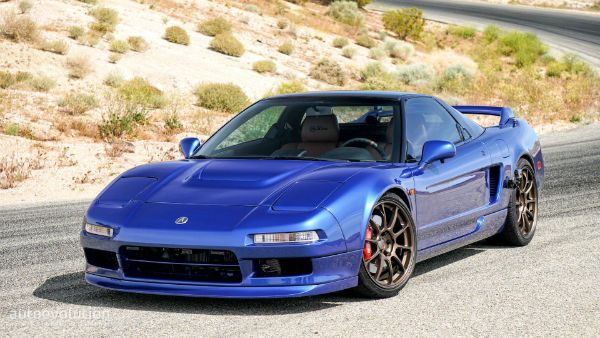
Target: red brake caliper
{"points": [[367, 251]]}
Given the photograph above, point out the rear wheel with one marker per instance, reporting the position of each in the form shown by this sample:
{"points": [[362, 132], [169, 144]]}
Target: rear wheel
{"points": [[522, 208], [389, 250]]}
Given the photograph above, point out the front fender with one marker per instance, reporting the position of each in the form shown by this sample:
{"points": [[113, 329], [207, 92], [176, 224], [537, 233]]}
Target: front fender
{"points": [[353, 203]]}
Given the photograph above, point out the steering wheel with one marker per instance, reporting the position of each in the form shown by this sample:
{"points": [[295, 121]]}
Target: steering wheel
{"points": [[368, 142]]}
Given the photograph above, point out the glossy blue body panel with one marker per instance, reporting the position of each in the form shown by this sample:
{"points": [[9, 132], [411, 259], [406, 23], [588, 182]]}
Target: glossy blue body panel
{"points": [[228, 200]]}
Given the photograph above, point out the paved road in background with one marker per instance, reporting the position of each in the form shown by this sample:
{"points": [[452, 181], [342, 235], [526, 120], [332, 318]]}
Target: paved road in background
{"points": [[549, 288], [564, 30]]}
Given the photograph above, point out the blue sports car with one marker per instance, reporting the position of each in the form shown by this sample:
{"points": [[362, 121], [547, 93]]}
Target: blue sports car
{"points": [[312, 193]]}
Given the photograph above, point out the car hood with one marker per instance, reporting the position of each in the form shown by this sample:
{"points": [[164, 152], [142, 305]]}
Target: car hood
{"points": [[241, 182]]}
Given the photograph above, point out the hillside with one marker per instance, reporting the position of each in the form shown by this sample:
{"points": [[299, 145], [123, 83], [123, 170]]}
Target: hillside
{"points": [[90, 89]]}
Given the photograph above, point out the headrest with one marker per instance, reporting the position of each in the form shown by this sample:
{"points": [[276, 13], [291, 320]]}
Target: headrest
{"points": [[320, 128], [389, 133]]}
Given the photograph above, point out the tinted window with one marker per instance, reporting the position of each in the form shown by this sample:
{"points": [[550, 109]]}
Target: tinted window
{"points": [[427, 120]]}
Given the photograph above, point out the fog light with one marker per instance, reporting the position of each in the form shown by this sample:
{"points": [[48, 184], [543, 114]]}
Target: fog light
{"points": [[99, 230], [286, 237]]}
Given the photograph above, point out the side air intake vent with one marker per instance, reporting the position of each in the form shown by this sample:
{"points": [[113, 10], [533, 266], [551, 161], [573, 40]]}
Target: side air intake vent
{"points": [[494, 182]]}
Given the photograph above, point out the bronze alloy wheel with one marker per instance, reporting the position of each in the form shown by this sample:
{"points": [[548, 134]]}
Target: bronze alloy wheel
{"points": [[526, 202], [390, 245]]}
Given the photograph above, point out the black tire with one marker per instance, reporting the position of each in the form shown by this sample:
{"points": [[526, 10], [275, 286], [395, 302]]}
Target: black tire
{"points": [[396, 245], [521, 219]]}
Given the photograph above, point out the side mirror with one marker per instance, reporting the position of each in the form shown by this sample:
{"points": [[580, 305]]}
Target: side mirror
{"points": [[188, 146], [436, 150]]}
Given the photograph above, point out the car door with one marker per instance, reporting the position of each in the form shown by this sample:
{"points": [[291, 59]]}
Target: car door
{"points": [[449, 194]]}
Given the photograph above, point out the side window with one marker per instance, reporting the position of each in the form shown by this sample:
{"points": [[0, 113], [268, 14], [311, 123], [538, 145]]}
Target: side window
{"points": [[253, 129], [427, 120]]}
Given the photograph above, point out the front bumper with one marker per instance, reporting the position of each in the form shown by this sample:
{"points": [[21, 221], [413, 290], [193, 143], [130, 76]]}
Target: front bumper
{"points": [[188, 290]]}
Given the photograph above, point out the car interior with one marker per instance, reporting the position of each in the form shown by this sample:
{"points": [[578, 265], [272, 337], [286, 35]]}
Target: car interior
{"points": [[364, 133]]}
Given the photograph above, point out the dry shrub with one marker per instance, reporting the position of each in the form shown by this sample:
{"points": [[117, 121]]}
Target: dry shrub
{"points": [[399, 49], [227, 44], [215, 26], [366, 41], [13, 170], [176, 34], [79, 66], [225, 97], [113, 79], [119, 46], [282, 23], [377, 53], [77, 103], [340, 42], [264, 66], [54, 46], [114, 57], [290, 87], [138, 44], [415, 74], [18, 28], [25, 6], [346, 12], [41, 83], [106, 19], [349, 52], [286, 48], [90, 39], [330, 72], [75, 32], [7, 80]]}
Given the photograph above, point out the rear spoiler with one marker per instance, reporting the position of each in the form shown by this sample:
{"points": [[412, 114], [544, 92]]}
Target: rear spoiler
{"points": [[505, 113]]}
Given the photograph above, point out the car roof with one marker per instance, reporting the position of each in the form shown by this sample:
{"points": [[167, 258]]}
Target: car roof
{"points": [[357, 94]]}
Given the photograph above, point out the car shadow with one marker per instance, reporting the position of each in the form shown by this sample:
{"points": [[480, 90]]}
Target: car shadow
{"points": [[71, 288]]}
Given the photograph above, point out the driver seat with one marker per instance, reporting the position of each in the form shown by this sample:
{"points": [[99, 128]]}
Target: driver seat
{"points": [[319, 134]]}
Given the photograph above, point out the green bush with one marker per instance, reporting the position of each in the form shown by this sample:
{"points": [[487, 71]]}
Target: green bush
{"points": [[138, 44], [371, 70], [286, 48], [75, 32], [54, 46], [491, 33], [225, 97], [346, 12], [106, 19], [18, 28], [227, 44], [455, 78], [172, 123], [176, 34], [41, 83], [213, 27], [349, 52], [366, 41], [329, 71], [555, 69], [376, 77], [415, 73], [119, 46], [340, 42], [77, 103], [264, 66], [574, 65], [141, 93], [462, 31], [525, 47], [290, 87], [406, 22]]}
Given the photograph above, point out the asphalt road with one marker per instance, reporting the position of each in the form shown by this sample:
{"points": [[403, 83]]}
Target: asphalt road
{"points": [[564, 30], [549, 288]]}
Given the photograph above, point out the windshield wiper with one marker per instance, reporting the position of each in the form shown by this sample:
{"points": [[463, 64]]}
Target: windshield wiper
{"points": [[303, 158]]}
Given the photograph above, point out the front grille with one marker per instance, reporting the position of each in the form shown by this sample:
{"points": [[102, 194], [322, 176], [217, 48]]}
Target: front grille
{"points": [[195, 265], [101, 258]]}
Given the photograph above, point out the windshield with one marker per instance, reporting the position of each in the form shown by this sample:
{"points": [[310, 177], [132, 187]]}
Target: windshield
{"points": [[332, 130]]}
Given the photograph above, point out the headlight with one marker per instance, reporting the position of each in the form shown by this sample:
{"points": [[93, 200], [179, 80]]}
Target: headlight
{"points": [[99, 230], [286, 237]]}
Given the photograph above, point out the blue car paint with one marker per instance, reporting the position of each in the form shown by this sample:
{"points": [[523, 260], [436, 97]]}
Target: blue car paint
{"points": [[229, 200]]}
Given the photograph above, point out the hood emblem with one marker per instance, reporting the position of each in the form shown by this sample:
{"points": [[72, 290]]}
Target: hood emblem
{"points": [[181, 220]]}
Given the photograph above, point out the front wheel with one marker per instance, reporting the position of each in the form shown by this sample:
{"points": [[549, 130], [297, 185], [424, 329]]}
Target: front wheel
{"points": [[389, 250]]}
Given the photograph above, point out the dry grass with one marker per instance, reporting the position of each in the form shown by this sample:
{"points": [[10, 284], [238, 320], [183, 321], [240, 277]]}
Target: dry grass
{"points": [[77, 103], [330, 72], [138, 44], [54, 46], [264, 66], [215, 26], [18, 28], [286, 48], [79, 66], [176, 34], [14, 170], [227, 44]]}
